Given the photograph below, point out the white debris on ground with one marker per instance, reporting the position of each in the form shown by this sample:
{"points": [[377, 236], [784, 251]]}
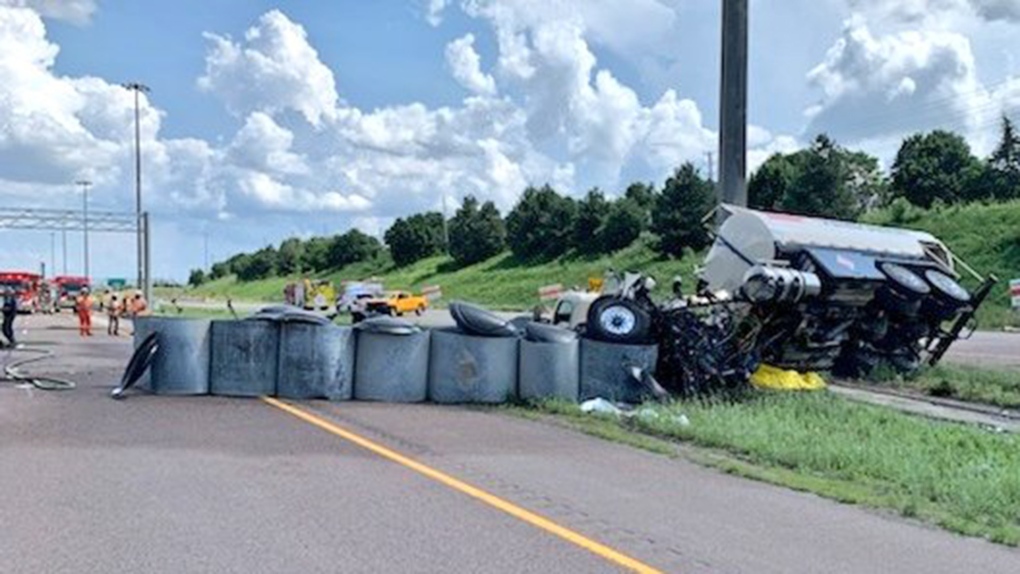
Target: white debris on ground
{"points": [[600, 405]]}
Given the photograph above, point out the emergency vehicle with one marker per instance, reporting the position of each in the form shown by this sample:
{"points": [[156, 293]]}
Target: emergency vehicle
{"points": [[68, 287], [26, 288]]}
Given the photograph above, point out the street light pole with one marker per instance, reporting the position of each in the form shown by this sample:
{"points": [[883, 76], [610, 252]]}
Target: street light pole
{"points": [[84, 183], [63, 243], [138, 88]]}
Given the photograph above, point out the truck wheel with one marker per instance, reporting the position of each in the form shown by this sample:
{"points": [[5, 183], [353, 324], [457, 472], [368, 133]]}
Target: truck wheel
{"points": [[904, 291], [947, 298], [420, 310], [616, 320]]}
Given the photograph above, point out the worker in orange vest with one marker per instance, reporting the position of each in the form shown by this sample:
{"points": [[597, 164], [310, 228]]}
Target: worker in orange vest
{"points": [[83, 305], [139, 306]]}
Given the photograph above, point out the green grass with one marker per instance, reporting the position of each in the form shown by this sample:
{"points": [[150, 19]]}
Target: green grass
{"points": [[962, 478], [501, 282], [964, 383], [987, 237]]}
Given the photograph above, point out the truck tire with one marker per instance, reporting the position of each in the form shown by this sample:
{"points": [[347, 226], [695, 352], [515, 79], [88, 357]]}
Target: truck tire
{"points": [[420, 310], [904, 291], [616, 320], [947, 296]]}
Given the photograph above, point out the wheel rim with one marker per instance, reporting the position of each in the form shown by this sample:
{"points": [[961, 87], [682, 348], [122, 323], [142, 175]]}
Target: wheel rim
{"points": [[617, 320], [948, 286], [906, 279]]}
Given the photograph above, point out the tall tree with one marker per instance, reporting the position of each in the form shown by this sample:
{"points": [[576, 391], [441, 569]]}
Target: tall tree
{"points": [[1003, 178], [643, 194], [291, 254], [258, 265], [540, 225], [822, 186], [476, 233], [592, 212], [685, 200], [416, 237], [770, 182], [867, 185], [623, 225], [196, 277], [934, 166], [315, 254], [218, 270], [352, 247]]}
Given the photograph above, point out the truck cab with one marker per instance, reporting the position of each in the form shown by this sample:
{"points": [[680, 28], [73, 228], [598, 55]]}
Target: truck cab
{"points": [[397, 303]]}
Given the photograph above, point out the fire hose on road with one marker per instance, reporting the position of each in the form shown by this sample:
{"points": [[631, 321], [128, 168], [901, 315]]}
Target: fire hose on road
{"points": [[13, 374]]}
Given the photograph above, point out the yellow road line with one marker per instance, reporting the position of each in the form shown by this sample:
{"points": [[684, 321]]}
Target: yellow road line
{"points": [[492, 500]]}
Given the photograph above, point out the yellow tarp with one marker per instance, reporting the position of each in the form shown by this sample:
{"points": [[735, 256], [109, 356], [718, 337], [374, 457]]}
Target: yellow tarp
{"points": [[769, 377]]}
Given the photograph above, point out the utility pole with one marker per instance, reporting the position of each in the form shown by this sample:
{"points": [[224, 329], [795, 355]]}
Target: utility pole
{"points": [[84, 183], [711, 167], [147, 287], [53, 252], [446, 227], [205, 249], [63, 240], [138, 88], [733, 104]]}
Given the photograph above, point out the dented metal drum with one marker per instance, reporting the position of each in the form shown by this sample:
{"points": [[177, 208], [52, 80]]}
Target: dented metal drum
{"points": [[549, 370], [315, 361], [181, 367], [391, 367], [244, 358], [606, 370], [470, 369]]}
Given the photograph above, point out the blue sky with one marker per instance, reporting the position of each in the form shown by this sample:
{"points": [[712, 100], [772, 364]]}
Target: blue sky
{"points": [[272, 119]]}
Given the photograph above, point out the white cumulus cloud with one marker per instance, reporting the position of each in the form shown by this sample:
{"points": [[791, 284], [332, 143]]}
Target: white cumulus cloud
{"points": [[898, 82], [434, 16], [273, 69], [465, 64], [74, 11]]}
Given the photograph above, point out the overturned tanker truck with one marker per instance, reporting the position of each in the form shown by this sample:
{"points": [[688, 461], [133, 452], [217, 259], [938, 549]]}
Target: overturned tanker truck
{"points": [[801, 293]]}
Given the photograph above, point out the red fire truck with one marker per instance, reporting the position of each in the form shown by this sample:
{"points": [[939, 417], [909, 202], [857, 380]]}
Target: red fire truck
{"points": [[67, 288], [26, 287]]}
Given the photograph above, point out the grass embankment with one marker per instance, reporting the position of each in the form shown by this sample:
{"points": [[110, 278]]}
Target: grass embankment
{"points": [[971, 384], [987, 237], [502, 282], [962, 478]]}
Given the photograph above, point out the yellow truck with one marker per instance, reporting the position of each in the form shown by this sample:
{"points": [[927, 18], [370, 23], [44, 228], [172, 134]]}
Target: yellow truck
{"points": [[397, 303], [315, 295]]}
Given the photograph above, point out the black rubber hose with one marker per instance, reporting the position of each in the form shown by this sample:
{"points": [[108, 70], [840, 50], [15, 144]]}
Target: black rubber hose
{"points": [[13, 374]]}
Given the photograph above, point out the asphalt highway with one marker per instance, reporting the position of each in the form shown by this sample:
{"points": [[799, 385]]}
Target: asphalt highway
{"points": [[209, 484]]}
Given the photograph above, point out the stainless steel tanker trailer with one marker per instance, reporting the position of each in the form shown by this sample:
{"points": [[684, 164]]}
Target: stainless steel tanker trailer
{"points": [[801, 293]]}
